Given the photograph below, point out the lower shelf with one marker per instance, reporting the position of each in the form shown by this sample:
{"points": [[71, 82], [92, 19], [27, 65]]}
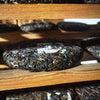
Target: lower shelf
{"points": [[17, 79]]}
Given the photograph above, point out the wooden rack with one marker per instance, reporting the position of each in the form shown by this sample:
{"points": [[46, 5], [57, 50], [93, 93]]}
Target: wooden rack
{"points": [[17, 79], [49, 11]]}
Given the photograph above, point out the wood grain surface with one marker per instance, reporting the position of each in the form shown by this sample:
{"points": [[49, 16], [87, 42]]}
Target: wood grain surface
{"points": [[19, 35], [49, 11], [17, 79]]}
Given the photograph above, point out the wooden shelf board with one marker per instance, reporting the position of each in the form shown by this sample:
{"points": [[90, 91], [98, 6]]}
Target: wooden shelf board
{"points": [[49, 11], [17, 79], [19, 35]]}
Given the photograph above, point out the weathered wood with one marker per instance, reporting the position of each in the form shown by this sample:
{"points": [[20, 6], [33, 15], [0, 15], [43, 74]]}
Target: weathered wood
{"points": [[49, 11], [17, 79]]}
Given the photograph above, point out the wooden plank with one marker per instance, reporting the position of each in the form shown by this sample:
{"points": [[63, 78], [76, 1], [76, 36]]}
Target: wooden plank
{"points": [[17, 79], [49, 11], [19, 35]]}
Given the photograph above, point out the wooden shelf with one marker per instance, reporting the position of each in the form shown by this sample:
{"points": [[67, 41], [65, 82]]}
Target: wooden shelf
{"points": [[17, 79], [49, 11], [20, 36]]}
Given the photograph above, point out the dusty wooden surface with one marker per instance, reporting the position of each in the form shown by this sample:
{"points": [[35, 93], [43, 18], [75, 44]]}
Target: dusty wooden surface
{"points": [[49, 11], [17, 79]]}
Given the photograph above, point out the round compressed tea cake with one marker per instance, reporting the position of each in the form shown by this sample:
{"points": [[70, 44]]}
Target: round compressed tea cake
{"points": [[24, 1], [49, 94], [37, 26], [92, 45], [92, 1], [43, 55], [89, 92], [73, 26]]}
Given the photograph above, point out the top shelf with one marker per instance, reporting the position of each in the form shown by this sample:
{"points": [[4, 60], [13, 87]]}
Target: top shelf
{"points": [[49, 11]]}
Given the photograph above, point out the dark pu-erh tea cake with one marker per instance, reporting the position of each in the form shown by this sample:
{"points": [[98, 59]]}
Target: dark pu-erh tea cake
{"points": [[37, 26], [89, 92], [51, 94], [43, 55], [50, 1], [92, 1], [73, 26], [92, 45]]}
